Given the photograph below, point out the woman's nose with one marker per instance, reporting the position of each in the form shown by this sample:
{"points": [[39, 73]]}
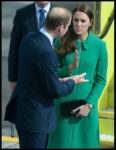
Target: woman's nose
{"points": [[79, 23]]}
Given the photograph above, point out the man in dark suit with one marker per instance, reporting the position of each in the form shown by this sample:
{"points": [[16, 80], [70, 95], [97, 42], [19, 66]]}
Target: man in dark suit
{"points": [[26, 20], [31, 106]]}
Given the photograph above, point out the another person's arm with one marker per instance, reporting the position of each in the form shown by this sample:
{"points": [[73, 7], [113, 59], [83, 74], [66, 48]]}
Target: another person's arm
{"points": [[100, 76], [77, 78], [74, 64], [13, 50], [64, 71], [12, 86], [50, 79], [100, 81]]}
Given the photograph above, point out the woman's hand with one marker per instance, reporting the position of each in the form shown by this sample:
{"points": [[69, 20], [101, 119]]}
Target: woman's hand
{"points": [[75, 61], [83, 110]]}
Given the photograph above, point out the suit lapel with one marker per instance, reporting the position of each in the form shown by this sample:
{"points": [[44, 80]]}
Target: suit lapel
{"points": [[33, 18]]}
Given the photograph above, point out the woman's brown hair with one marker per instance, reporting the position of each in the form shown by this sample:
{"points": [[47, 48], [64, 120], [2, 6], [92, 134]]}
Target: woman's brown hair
{"points": [[68, 41]]}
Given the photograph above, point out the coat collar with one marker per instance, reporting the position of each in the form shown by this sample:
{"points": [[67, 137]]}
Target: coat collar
{"points": [[86, 43]]}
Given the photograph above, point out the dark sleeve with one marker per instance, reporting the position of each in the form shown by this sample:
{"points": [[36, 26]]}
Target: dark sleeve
{"points": [[50, 80], [13, 50]]}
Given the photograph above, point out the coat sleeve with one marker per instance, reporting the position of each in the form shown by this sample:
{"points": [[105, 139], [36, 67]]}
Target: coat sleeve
{"points": [[13, 50], [50, 80], [63, 71], [100, 77]]}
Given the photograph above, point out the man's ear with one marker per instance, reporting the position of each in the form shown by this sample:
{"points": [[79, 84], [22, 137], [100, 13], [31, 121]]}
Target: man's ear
{"points": [[60, 27]]}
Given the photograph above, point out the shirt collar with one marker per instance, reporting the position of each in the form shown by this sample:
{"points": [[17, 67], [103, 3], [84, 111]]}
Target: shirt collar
{"points": [[47, 8], [47, 34]]}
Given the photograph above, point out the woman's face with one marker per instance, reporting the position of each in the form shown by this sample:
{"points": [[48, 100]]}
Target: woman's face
{"points": [[81, 23]]}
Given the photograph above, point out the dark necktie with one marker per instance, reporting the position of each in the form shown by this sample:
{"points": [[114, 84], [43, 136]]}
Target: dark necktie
{"points": [[42, 18]]}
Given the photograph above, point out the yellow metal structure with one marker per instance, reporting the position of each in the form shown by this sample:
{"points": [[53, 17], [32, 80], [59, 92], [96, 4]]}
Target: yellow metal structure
{"points": [[106, 101], [10, 139]]}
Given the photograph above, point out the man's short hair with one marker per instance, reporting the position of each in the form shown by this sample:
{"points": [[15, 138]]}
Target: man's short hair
{"points": [[57, 16]]}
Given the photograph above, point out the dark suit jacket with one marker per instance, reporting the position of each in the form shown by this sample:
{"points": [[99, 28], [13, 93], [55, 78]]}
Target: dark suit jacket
{"points": [[24, 22], [31, 105]]}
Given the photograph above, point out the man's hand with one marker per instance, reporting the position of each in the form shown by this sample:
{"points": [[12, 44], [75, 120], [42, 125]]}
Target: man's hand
{"points": [[79, 78], [12, 86]]}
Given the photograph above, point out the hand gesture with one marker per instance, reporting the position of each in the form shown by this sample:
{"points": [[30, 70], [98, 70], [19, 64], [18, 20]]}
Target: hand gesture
{"points": [[79, 78], [75, 61]]}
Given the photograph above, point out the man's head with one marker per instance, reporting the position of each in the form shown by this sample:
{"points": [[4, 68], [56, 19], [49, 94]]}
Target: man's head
{"points": [[42, 4], [58, 20]]}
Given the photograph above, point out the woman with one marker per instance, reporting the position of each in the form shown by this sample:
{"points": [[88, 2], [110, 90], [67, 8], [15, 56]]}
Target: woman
{"points": [[82, 130]]}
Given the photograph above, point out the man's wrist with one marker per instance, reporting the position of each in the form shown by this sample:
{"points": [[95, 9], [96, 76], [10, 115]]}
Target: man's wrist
{"points": [[73, 79]]}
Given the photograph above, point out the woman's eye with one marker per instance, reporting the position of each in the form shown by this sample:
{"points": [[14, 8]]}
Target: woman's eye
{"points": [[76, 20], [83, 20]]}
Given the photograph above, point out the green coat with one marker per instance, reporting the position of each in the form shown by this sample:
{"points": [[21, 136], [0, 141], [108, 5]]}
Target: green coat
{"points": [[82, 132]]}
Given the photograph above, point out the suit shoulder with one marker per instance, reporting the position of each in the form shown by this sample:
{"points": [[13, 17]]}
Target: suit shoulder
{"points": [[25, 8], [36, 38], [26, 11]]}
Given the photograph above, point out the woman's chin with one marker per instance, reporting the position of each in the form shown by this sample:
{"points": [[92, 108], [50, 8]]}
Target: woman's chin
{"points": [[78, 32]]}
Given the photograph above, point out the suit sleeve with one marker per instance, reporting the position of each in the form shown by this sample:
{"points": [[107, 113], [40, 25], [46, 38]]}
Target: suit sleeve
{"points": [[49, 77], [100, 77], [13, 50]]}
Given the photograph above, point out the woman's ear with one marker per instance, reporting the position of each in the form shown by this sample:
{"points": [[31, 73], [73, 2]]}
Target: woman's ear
{"points": [[91, 21]]}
